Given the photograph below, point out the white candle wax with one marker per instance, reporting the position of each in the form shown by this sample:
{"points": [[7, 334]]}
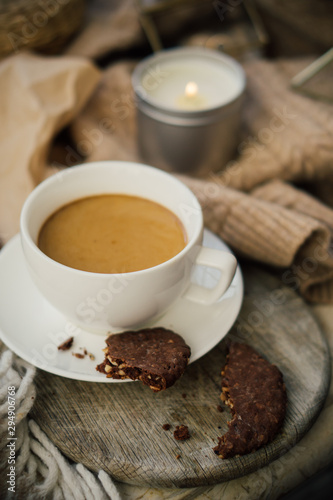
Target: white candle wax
{"points": [[164, 81]]}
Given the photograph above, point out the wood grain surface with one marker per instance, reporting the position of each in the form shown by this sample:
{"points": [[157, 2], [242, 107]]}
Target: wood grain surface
{"points": [[118, 427]]}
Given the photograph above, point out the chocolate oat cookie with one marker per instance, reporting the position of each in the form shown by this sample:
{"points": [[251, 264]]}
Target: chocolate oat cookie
{"points": [[156, 356], [254, 390]]}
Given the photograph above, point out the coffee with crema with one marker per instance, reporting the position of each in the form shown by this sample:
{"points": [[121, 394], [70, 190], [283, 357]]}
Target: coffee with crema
{"points": [[112, 233]]}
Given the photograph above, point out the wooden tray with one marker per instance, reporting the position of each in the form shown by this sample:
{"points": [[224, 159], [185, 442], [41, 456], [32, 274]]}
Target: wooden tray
{"points": [[118, 427]]}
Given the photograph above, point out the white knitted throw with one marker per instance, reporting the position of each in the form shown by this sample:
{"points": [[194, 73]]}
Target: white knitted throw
{"points": [[41, 470]]}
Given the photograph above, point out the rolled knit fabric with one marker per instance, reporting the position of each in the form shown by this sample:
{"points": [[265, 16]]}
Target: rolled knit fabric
{"points": [[286, 135], [286, 195], [106, 128], [272, 234]]}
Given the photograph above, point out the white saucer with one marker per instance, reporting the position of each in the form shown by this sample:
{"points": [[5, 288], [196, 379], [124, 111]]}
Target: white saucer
{"points": [[33, 329]]}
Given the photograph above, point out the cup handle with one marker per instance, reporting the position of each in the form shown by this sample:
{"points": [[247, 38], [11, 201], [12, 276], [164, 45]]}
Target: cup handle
{"points": [[225, 262]]}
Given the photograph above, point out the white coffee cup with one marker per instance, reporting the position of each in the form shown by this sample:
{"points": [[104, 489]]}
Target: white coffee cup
{"points": [[95, 301]]}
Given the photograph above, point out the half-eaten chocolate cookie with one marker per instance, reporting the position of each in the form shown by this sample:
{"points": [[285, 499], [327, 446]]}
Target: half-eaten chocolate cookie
{"points": [[156, 356], [255, 392]]}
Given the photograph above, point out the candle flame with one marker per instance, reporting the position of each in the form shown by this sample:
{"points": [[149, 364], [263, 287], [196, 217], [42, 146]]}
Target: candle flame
{"points": [[191, 89]]}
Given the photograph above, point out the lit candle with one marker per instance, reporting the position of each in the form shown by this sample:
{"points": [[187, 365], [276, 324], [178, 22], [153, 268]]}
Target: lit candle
{"points": [[191, 99], [191, 89], [188, 108], [161, 79]]}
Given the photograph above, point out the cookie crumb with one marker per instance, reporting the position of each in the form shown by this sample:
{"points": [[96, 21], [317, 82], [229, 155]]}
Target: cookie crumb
{"points": [[181, 433], [178, 457], [78, 355], [66, 345], [220, 409], [166, 427]]}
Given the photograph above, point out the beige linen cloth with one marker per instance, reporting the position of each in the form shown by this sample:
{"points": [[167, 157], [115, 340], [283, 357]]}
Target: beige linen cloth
{"points": [[39, 96], [252, 203]]}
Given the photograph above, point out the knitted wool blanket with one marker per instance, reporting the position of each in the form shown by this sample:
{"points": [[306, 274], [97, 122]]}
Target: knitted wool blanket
{"points": [[40, 470], [43, 473]]}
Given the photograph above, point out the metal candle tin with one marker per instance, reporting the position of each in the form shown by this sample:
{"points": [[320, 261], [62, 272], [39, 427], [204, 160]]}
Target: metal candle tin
{"points": [[191, 141]]}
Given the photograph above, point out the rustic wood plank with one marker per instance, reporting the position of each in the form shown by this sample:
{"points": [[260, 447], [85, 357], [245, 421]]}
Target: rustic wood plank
{"points": [[118, 427]]}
